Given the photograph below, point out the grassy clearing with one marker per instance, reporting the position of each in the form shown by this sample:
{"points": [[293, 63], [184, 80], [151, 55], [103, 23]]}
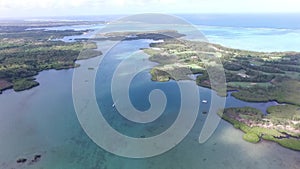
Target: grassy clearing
{"points": [[289, 112], [285, 115], [248, 85]]}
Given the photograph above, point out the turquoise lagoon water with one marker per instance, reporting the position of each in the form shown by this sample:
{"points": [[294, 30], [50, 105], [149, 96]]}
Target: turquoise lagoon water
{"points": [[258, 39], [43, 120]]}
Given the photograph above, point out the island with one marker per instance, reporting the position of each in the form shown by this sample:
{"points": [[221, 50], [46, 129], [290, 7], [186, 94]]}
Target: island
{"points": [[252, 76]]}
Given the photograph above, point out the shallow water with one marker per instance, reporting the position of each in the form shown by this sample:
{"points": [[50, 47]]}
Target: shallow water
{"points": [[43, 121]]}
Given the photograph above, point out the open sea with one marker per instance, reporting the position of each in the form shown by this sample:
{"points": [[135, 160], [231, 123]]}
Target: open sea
{"points": [[43, 120]]}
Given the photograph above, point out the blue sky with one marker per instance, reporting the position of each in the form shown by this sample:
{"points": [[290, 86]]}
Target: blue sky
{"points": [[35, 8]]}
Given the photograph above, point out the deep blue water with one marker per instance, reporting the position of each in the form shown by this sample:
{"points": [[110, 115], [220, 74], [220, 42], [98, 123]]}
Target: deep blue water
{"points": [[276, 20], [262, 20]]}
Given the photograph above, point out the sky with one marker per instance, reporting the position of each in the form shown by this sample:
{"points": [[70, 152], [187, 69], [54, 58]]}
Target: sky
{"points": [[40, 8]]}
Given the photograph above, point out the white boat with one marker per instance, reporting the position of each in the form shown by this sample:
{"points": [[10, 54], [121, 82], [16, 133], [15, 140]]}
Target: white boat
{"points": [[114, 105], [204, 101]]}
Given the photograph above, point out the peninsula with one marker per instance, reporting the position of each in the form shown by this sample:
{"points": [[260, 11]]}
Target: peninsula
{"points": [[254, 76]]}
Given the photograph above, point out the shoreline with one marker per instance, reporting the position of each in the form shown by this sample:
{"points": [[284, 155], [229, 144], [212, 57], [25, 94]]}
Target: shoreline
{"points": [[257, 79], [195, 61], [255, 131]]}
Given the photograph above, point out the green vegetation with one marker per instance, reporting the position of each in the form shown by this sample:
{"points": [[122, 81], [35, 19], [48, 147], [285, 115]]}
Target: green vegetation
{"points": [[251, 137], [24, 84], [178, 59], [24, 53], [22, 59], [160, 75], [131, 35], [283, 91], [256, 126], [256, 76], [31, 30], [288, 115], [293, 144]]}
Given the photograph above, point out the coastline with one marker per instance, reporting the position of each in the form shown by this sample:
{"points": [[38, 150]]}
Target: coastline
{"points": [[159, 74], [213, 154], [260, 133], [179, 59]]}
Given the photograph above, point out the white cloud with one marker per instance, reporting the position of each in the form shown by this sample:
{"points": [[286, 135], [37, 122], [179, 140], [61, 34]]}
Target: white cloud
{"points": [[78, 3], [72, 7]]}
